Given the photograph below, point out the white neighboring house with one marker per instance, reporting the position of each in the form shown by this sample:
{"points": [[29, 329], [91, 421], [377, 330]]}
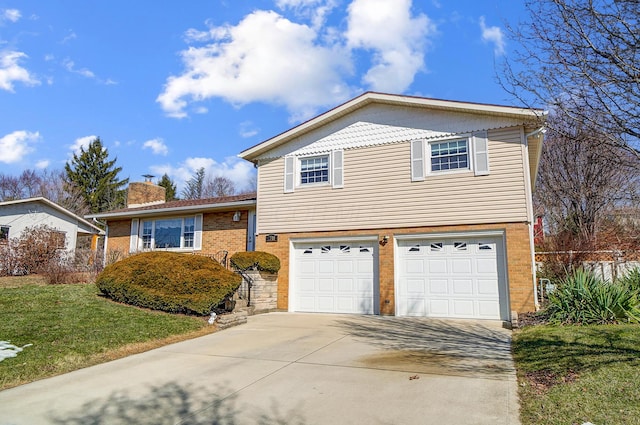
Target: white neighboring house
{"points": [[17, 215]]}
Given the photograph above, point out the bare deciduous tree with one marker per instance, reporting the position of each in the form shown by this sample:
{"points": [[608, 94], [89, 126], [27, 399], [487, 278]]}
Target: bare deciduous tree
{"points": [[582, 58], [581, 179], [217, 187]]}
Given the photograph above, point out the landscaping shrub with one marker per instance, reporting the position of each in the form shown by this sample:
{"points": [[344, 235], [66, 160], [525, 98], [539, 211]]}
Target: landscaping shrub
{"points": [[168, 281], [631, 279], [256, 260], [584, 298]]}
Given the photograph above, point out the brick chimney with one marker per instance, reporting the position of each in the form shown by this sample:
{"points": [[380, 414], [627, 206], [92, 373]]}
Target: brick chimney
{"points": [[145, 193]]}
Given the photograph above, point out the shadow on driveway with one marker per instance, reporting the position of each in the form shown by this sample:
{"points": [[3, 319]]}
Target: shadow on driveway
{"points": [[173, 404], [446, 347]]}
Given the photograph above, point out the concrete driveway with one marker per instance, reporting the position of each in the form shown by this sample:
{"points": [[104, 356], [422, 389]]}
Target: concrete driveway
{"points": [[285, 368]]}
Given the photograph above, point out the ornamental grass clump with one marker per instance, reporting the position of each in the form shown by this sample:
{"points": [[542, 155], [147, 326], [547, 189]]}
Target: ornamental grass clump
{"points": [[167, 281], [584, 298]]}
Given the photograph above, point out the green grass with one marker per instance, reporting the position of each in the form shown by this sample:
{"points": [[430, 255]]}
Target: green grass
{"points": [[71, 327], [577, 374]]}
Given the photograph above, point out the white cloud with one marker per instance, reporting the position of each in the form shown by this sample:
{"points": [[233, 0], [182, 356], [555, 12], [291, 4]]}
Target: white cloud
{"points": [[493, 35], [42, 164], [15, 146], [157, 146], [11, 71], [290, 68], [81, 142], [70, 66], [71, 36], [397, 39], [248, 129], [12, 15], [237, 170], [314, 10]]}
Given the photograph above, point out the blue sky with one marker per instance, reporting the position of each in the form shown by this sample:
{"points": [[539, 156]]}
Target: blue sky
{"points": [[174, 86]]}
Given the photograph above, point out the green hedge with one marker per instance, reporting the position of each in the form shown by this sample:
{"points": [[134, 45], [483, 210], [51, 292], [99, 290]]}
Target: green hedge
{"points": [[167, 281], [257, 260]]}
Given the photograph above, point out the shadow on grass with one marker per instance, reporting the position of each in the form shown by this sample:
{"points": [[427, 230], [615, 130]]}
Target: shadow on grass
{"points": [[174, 404], [576, 348], [435, 346]]}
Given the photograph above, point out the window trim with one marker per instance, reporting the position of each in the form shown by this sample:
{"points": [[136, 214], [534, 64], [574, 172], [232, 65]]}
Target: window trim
{"points": [[313, 184], [428, 157], [141, 234]]}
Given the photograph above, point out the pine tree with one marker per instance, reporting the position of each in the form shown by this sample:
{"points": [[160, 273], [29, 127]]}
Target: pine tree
{"points": [[195, 186], [170, 186], [97, 178]]}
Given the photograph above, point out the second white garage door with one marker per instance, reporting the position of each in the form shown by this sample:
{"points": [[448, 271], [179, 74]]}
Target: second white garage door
{"points": [[460, 277], [334, 277]]}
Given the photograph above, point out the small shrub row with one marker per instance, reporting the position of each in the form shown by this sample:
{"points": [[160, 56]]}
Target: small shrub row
{"points": [[256, 260], [584, 298], [167, 281]]}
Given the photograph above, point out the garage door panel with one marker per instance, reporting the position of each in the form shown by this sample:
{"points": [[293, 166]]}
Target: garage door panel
{"points": [[487, 287], [325, 285], [345, 285], [325, 266], [463, 287], [345, 266], [488, 309], [333, 277], [463, 308], [438, 308], [415, 265], [487, 265], [460, 278], [437, 266]]}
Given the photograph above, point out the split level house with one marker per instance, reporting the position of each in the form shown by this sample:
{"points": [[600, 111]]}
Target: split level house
{"points": [[386, 204]]}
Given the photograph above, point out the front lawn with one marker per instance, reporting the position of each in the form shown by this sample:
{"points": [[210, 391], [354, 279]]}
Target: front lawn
{"points": [[71, 327], [577, 374]]}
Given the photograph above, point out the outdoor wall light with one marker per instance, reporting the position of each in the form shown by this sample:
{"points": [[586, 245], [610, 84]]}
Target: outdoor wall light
{"points": [[236, 216], [384, 240]]}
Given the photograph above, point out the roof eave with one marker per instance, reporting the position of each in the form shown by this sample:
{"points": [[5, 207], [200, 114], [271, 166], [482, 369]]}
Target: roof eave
{"points": [[172, 210], [367, 98]]}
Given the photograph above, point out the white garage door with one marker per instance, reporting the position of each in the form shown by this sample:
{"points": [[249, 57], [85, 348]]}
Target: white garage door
{"points": [[451, 278], [334, 277]]}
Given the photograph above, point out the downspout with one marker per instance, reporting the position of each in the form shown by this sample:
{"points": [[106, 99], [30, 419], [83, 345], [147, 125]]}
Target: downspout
{"points": [[106, 239]]}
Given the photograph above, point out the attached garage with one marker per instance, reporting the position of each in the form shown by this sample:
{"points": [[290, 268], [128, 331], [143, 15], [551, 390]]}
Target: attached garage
{"points": [[454, 277], [336, 276]]}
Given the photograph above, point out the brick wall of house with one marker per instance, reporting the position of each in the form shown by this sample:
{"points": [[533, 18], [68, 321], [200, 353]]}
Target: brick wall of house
{"points": [[219, 232], [518, 258]]}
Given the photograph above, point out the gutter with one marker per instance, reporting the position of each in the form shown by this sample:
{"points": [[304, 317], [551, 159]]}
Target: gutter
{"points": [[156, 211]]}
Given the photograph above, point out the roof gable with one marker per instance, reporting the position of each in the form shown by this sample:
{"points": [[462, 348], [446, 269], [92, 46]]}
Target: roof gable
{"points": [[375, 118]]}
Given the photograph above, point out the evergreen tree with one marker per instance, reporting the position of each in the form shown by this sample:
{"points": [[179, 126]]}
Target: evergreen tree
{"points": [[97, 178], [170, 186], [195, 186]]}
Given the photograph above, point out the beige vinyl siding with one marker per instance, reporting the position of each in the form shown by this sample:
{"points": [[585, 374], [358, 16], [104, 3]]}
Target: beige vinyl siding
{"points": [[378, 192]]}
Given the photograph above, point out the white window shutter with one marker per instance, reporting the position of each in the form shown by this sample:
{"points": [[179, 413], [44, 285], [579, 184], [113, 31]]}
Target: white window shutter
{"points": [[289, 173], [197, 232], [338, 169], [133, 240], [417, 160], [481, 153]]}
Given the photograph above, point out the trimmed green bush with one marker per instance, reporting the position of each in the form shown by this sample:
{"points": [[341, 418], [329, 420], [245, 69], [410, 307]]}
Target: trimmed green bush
{"points": [[584, 298], [257, 260], [168, 281]]}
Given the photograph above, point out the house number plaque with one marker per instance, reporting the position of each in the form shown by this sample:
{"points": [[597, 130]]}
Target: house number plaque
{"points": [[272, 238]]}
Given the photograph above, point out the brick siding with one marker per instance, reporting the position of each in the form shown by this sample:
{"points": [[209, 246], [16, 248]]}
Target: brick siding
{"points": [[518, 258]]}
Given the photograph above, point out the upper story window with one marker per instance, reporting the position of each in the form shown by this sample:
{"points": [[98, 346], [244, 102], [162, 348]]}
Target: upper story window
{"points": [[4, 234], [451, 155], [462, 154], [314, 170], [318, 170]]}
